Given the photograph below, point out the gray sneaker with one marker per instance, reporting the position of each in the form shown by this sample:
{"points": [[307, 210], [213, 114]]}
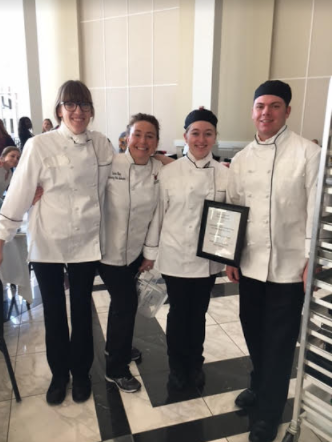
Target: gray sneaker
{"points": [[128, 383]]}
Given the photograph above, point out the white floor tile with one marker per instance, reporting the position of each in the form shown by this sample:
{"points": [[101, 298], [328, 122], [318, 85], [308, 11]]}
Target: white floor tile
{"points": [[98, 280], [162, 323], [142, 417], [33, 375], [35, 314], [209, 320], [101, 300], [234, 331], [11, 333], [222, 403], [103, 317], [218, 345], [224, 309], [5, 384], [4, 420], [34, 421], [32, 338]]}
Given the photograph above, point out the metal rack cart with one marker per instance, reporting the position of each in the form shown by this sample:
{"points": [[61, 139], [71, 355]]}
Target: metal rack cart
{"points": [[313, 405]]}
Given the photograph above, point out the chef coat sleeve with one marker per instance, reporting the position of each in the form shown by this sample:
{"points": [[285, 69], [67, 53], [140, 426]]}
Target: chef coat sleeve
{"points": [[234, 192]]}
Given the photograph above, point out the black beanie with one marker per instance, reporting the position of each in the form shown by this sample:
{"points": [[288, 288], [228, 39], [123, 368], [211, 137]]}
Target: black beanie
{"points": [[200, 114], [275, 87]]}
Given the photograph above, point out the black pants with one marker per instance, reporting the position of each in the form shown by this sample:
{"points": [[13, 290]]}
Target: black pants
{"points": [[270, 315], [66, 354], [189, 300], [121, 284]]}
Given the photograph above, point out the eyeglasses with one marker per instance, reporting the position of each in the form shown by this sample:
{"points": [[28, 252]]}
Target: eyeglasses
{"points": [[71, 106]]}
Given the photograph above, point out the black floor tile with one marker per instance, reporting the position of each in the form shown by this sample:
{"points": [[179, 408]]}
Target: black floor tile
{"points": [[99, 287], [228, 289], [111, 415], [204, 430], [146, 326], [154, 353]]}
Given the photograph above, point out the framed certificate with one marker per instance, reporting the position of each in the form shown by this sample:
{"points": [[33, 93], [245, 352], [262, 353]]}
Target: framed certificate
{"points": [[222, 232]]}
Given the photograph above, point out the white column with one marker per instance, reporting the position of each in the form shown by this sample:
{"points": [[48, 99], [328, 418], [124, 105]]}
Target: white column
{"points": [[31, 40], [204, 33], [58, 45]]}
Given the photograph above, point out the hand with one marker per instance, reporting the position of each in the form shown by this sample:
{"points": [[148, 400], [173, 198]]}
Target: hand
{"points": [[38, 194], [233, 273], [147, 265]]}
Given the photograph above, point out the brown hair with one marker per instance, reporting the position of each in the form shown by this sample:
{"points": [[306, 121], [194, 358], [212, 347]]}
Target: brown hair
{"points": [[9, 149], [73, 90], [3, 130], [144, 117]]}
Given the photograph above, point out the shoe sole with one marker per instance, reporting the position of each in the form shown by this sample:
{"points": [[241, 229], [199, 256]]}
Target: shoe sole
{"points": [[120, 388]]}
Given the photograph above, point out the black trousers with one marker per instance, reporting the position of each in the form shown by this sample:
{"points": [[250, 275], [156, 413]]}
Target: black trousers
{"points": [[270, 315], [189, 300], [121, 284], [64, 353]]}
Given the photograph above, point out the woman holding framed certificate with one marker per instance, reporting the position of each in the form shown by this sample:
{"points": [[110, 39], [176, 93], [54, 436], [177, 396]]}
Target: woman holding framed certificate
{"points": [[184, 186]]}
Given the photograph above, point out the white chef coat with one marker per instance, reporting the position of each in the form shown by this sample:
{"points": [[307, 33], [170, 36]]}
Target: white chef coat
{"points": [[64, 226], [276, 178], [184, 185], [131, 198]]}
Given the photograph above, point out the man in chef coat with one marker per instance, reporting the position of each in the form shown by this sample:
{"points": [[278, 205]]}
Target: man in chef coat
{"points": [[275, 175]]}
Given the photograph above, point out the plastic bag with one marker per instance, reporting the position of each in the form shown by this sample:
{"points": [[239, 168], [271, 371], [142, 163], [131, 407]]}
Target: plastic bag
{"points": [[152, 293]]}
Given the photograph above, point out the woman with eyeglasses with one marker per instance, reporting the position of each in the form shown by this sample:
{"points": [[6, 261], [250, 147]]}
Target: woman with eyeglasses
{"points": [[72, 165]]}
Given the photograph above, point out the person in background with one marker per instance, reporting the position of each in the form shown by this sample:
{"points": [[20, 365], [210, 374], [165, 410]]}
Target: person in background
{"points": [[184, 185], [47, 125], [24, 130], [72, 166], [122, 142], [5, 138], [131, 199], [275, 175], [8, 161]]}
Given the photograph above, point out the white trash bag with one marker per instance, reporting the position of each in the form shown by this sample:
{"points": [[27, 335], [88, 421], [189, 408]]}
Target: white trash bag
{"points": [[152, 293]]}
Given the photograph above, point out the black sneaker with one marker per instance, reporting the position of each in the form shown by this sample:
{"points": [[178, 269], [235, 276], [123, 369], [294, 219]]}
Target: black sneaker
{"points": [[136, 354], [128, 383], [57, 390], [247, 398], [81, 388]]}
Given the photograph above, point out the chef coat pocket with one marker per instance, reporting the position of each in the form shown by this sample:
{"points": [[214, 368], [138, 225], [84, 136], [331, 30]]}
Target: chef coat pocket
{"points": [[56, 161]]}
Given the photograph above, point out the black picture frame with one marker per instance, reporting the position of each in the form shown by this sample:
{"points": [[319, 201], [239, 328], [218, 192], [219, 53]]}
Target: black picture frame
{"points": [[222, 240]]}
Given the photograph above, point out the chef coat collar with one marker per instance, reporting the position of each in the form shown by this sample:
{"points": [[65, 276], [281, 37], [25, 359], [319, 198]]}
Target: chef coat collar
{"points": [[78, 139], [271, 140], [200, 164]]}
